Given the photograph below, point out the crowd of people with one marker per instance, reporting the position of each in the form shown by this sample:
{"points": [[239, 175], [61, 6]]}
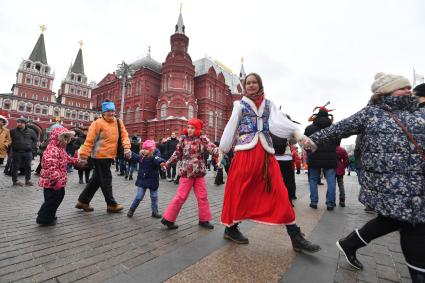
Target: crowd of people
{"points": [[258, 150]]}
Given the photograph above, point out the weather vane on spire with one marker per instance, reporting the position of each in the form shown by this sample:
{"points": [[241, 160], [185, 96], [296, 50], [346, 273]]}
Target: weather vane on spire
{"points": [[241, 60], [43, 28], [181, 7], [149, 50], [81, 43]]}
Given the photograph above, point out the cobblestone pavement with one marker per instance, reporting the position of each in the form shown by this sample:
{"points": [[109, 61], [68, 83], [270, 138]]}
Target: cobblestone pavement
{"points": [[102, 247]]}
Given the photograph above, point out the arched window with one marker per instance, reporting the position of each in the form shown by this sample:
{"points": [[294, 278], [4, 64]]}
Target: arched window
{"points": [[80, 116], [21, 106], [56, 112], [37, 109], [163, 111], [137, 115], [128, 116], [220, 120], [73, 114], [68, 113], [6, 104], [190, 112], [29, 107], [44, 110], [211, 119]]}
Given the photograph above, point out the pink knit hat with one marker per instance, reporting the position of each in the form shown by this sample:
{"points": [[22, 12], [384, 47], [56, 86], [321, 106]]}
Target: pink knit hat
{"points": [[149, 144]]}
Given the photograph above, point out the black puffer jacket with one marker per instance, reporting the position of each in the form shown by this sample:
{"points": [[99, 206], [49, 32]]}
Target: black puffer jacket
{"points": [[279, 144], [23, 140], [171, 146], [325, 156]]}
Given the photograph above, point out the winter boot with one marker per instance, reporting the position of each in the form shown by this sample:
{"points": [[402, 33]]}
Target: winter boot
{"points": [[130, 178], [130, 212], [28, 183], [299, 243], [417, 276], [114, 208], [342, 202], [170, 225], [206, 224], [81, 181], [17, 184], [232, 233], [84, 206], [349, 245], [156, 215]]}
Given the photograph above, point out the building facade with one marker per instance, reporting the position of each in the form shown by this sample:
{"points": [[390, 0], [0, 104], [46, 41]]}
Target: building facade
{"points": [[160, 98], [32, 95]]}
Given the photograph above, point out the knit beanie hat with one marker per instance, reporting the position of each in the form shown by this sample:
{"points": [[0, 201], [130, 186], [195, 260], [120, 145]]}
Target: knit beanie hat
{"points": [[108, 106], [388, 83], [198, 124], [149, 145], [420, 90]]}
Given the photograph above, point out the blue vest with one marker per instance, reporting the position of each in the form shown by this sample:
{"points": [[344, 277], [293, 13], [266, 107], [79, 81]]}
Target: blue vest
{"points": [[249, 127]]}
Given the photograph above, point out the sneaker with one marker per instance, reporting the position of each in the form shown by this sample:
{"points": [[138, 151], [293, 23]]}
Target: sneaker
{"points": [[233, 233], [320, 184], [114, 208], [156, 215], [314, 206], [206, 224], [28, 183], [84, 206], [342, 202], [170, 225], [53, 223], [126, 177], [329, 208]]}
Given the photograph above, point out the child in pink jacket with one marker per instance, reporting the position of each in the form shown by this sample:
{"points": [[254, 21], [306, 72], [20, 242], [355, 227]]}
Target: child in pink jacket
{"points": [[190, 150], [53, 175]]}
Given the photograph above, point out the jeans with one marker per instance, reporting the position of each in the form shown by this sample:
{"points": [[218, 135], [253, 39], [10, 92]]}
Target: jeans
{"points": [[52, 200], [141, 194], [330, 176], [21, 159], [130, 168], [102, 177]]}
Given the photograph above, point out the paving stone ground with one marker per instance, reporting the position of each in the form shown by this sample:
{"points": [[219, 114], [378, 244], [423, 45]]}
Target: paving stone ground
{"points": [[102, 247]]}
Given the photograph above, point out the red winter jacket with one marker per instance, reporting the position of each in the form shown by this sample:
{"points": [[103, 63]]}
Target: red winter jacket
{"points": [[54, 161], [342, 159]]}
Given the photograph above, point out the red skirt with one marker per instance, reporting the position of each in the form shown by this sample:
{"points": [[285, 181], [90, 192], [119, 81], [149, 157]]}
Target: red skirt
{"points": [[245, 196]]}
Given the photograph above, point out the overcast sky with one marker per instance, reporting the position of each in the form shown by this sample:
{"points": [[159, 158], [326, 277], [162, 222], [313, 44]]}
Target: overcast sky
{"points": [[308, 52]]}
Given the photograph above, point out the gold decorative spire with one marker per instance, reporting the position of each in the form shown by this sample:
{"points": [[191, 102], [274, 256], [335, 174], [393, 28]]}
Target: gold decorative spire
{"points": [[241, 60], [181, 7], [81, 43], [43, 28]]}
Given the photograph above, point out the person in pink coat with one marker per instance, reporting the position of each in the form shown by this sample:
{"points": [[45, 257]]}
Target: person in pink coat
{"points": [[53, 176], [342, 163]]}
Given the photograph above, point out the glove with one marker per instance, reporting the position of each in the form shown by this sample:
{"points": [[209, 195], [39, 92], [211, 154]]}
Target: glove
{"points": [[127, 153], [59, 185], [163, 166], [298, 171], [81, 164]]}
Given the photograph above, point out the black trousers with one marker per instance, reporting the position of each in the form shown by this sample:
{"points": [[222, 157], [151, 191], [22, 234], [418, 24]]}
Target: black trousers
{"points": [[21, 160], [412, 237], [171, 172], [102, 178], [288, 176], [219, 178], [85, 173], [52, 200]]}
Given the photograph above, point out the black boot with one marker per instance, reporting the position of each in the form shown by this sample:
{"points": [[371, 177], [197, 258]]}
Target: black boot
{"points": [[299, 243], [348, 246], [232, 233], [130, 212], [342, 202], [206, 224], [156, 215], [131, 177], [417, 276], [170, 225], [81, 181]]}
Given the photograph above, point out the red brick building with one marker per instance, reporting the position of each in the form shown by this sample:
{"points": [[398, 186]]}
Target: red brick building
{"points": [[32, 94], [162, 97]]}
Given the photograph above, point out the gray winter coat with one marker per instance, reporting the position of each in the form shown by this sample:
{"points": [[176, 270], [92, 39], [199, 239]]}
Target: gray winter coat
{"points": [[393, 177]]}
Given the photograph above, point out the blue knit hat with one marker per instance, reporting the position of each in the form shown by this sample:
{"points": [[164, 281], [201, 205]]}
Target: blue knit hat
{"points": [[108, 106]]}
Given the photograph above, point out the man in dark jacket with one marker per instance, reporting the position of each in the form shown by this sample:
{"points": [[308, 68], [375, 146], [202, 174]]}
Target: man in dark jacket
{"points": [[23, 142], [324, 158], [171, 147]]}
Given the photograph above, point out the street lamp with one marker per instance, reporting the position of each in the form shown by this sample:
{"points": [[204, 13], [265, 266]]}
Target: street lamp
{"points": [[124, 73]]}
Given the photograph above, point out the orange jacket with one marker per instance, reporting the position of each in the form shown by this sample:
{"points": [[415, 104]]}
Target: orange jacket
{"points": [[102, 139]]}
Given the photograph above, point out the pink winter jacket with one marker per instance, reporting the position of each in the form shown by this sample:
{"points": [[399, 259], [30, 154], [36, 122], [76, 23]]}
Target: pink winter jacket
{"points": [[54, 161], [342, 159]]}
